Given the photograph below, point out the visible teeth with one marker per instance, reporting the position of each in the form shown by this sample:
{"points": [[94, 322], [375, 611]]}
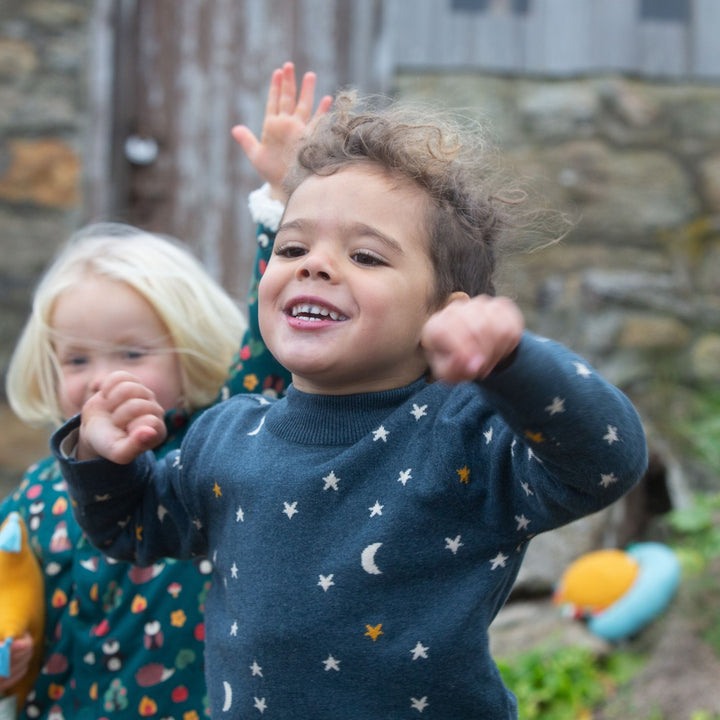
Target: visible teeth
{"points": [[315, 312]]}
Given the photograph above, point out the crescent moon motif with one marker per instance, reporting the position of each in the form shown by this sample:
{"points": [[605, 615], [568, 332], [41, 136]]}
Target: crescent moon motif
{"points": [[367, 559], [228, 696], [258, 428]]}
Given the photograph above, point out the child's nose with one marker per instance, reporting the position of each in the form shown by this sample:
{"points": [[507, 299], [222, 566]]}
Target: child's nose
{"points": [[317, 265], [100, 371]]}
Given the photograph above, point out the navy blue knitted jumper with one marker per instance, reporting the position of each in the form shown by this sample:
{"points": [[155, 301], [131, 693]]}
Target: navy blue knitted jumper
{"points": [[363, 544]]}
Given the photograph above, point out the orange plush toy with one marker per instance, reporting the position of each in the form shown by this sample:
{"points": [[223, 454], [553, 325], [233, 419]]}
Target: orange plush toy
{"points": [[22, 603], [619, 592]]}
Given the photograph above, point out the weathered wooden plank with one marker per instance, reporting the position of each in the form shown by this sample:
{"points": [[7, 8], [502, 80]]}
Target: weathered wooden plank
{"points": [[499, 43], [98, 191], [705, 49], [663, 49], [558, 37], [613, 35]]}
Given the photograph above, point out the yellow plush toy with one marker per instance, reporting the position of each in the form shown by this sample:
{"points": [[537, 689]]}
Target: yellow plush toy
{"points": [[22, 601]]}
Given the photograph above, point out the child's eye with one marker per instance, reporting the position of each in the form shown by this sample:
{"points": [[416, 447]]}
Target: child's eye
{"points": [[74, 360], [290, 251], [365, 257], [133, 354]]}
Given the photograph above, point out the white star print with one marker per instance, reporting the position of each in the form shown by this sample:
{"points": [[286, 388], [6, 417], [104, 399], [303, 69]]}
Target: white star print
{"points": [[557, 406], [234, 628], [582, 370], [606, 480], [420, 704], [522, 522], [380, 434], [326, 581], [488, 436], [498, 561], [331, 481], [376, 509], [453, 545], [260, 704], [256, 669], [512, 447], [611, 436], [176, 460], [526, 487], [420, 651], [239, 515], [331, 664], [162, 512], [405, 476], [234, 570], [533, 456], [418, 411], [197, 523], [290, 509]]}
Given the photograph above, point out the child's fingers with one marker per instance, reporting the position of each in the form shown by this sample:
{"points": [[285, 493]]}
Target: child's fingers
{"points": [[245, 138], [273, 96], [305, 99], [130, 409], [323, 106], [288, 89]]}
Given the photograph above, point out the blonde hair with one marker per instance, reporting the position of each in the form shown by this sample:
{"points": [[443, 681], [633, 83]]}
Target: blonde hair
{"points": [[205, 325]]}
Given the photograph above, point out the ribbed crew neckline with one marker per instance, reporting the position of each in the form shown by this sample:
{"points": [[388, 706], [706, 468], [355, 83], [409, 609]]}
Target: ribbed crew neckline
{"points": [[334, 419]]}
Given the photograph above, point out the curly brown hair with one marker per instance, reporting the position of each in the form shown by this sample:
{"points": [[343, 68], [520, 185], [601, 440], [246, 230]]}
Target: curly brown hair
{"points": [[442, 155]]}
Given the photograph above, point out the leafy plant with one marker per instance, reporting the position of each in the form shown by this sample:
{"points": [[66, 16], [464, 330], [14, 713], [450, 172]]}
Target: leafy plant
{"points": [[696, 529], [565, 684], [702, 428]]}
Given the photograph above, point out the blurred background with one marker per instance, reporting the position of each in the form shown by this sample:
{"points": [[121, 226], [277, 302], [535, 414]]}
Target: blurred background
{"points": [[122, 109]]}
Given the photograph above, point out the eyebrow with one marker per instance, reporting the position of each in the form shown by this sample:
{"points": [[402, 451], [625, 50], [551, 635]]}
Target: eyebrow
{"points": [[355, 228]]}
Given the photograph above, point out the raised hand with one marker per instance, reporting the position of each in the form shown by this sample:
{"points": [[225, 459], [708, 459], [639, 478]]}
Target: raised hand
{"points": [[120, 421], [287, 114], [469, 337]]}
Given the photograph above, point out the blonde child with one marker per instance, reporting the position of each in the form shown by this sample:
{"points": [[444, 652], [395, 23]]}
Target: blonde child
{"points": [[366, 528], [125, 641]]}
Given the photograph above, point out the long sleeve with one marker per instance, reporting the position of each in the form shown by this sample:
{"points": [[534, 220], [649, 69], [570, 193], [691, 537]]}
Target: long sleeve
{"points": [[254, 369], [362, 544]]}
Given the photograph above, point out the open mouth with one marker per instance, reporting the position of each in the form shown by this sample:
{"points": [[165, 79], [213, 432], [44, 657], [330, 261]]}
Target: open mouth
{"points": [[306, 311]]}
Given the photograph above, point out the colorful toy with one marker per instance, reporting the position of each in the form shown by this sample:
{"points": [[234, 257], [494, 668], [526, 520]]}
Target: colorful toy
{"points": [[22, 601], [619, 592]]}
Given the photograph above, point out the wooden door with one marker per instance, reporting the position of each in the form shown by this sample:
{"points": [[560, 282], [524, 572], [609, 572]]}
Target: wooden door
{"points": [[169, 78]]}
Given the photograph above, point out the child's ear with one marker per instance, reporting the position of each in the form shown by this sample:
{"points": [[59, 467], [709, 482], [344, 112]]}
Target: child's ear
{"points": [[454, 297]]}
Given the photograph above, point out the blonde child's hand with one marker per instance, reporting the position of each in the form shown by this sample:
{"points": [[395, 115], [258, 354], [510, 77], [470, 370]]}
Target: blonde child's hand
{"points": [[471, 336], [120, 421], [21, 651], [287, 114]]}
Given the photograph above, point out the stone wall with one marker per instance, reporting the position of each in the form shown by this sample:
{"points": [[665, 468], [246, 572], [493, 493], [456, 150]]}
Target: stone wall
{"points": [[635, 287], [42, 101]]}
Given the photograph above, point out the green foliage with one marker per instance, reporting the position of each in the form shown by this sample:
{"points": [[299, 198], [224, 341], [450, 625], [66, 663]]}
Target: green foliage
{"points": [[701, 430], [696, 531], [565, 684]]}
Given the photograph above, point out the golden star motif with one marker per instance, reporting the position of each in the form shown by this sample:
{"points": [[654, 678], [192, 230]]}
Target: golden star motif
{"points": [[374, 632], [216, 490], [536, 437], [464, 473], [138, 532]]}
